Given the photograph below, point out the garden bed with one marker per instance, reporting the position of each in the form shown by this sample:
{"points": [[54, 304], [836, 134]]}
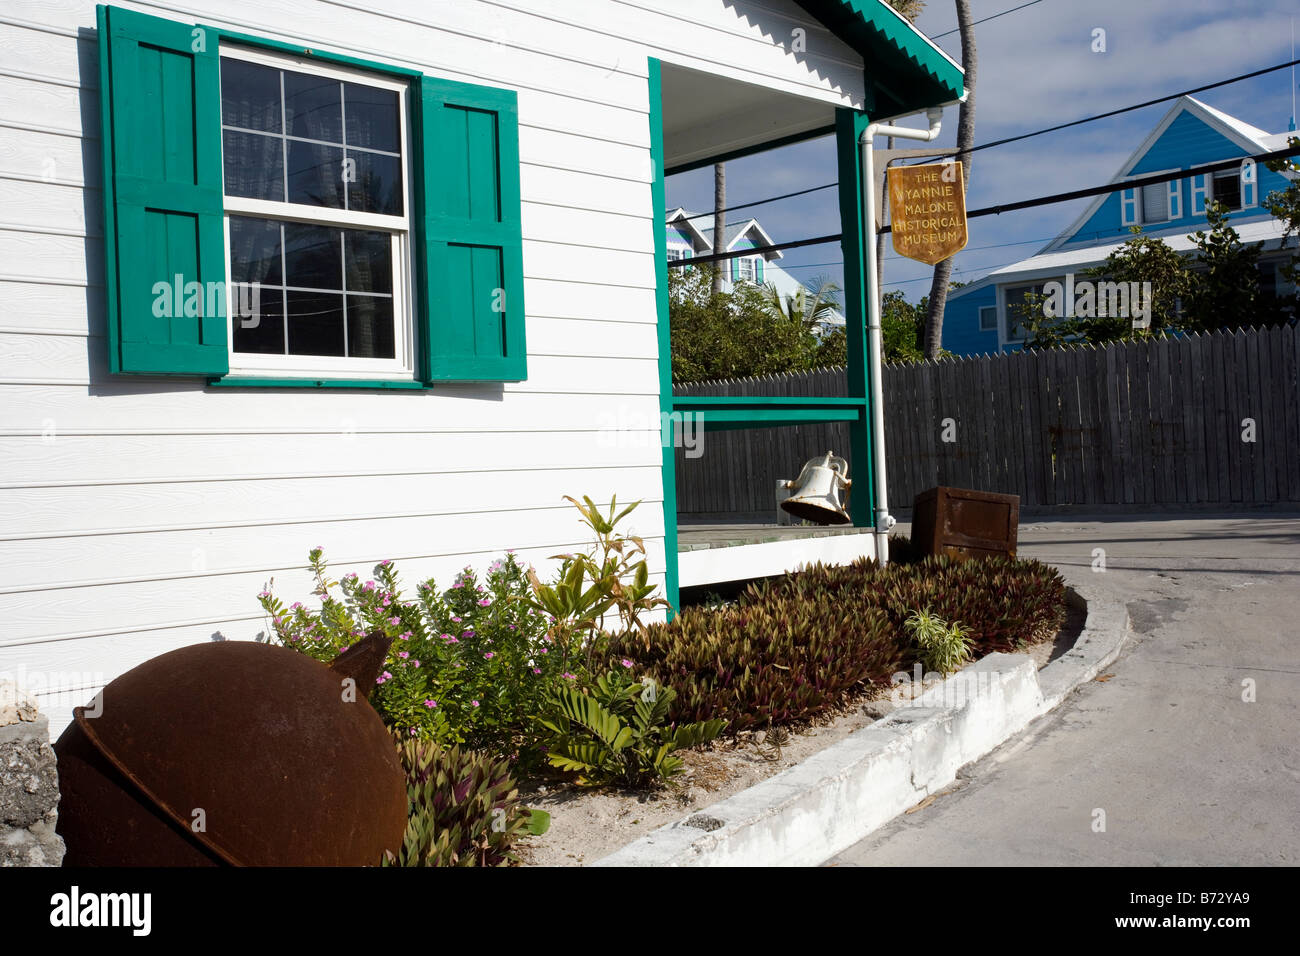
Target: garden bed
{"points": [[589, 824]]}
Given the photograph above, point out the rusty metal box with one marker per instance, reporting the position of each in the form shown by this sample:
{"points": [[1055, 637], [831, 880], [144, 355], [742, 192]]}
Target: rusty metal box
{"points": [[964, 523]]}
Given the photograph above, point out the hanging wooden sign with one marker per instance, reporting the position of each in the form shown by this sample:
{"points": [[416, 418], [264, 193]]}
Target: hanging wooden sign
{"points": [[927, 211]]}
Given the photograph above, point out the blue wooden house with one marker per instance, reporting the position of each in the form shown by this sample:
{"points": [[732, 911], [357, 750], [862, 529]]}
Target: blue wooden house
{"points": [[980, 317]]}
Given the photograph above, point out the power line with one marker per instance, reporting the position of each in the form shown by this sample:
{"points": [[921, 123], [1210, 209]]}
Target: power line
{"points": [[759, 202], [1050, 129], [987, 19], [997, 210], [1138, 106]]}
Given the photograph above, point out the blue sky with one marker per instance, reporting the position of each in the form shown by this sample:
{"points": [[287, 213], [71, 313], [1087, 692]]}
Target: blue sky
{"points": [[1036, 69]]}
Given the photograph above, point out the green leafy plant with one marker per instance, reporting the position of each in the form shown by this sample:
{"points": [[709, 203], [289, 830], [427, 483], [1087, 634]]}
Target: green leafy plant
{"points": [[941, 646], [615, 732], [472, 664], [614, 577], [463, 808]]}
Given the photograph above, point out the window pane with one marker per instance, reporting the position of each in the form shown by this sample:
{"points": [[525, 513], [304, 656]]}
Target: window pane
{"points": [[262, 331], [250, 95], [254, 165], [315, 174], [372, 117], [370, 261], [370, 327], [313, 257], [1227, 190], [313, 107], [315, 323], [254, 250], [378, 183]]}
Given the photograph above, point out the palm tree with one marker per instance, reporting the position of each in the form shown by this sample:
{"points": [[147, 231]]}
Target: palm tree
{"points": [[965, 140], [811, 307]]}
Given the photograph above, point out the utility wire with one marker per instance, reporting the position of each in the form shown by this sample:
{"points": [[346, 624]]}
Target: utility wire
{"points": [[759, 202], [1050, 129], [997, 210], [987, 19], [1137, 106]]}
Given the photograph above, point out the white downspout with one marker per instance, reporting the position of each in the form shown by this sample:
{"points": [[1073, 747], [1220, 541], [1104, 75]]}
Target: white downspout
{"points": [[883, 519]]}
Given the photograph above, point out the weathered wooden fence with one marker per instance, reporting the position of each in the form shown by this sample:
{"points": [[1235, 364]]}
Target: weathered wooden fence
{"points": [[1202, 419]]}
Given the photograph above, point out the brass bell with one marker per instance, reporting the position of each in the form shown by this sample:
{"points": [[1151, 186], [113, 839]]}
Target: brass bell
{"points": [[821, 491]]}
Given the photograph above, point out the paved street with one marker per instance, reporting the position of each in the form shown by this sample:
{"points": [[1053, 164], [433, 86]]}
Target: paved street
{"points": [[1184, 770]]}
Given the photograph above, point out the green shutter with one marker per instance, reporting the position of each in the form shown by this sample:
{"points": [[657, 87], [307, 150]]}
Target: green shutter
{"points": [[735, 270], [470, 247], [160, 103], [758, 270]]}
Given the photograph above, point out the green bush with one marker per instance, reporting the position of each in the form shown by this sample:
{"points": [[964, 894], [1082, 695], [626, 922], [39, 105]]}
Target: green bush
{"points": [[463, 808], [615, 732], [473, 664]]}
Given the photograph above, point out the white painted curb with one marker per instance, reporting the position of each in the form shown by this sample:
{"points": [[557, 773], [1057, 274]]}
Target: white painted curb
{"points": [[812, 811]]}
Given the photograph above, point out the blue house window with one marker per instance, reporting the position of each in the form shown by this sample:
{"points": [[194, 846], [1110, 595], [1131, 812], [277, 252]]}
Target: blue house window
{"points": [[989, 318]]}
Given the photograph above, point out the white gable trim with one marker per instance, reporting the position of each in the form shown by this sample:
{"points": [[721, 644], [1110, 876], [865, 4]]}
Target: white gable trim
{"points": [[765, 239], [1185, 104], [678, 217]]}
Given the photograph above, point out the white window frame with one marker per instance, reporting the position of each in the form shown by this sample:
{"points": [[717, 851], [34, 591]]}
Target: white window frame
{"points": [[1251, 188], [402, 366], [1130, 209], [1225, 174], [988, 328], [1200, 193], [741, 264], [1174, 200], [1138, 216]]}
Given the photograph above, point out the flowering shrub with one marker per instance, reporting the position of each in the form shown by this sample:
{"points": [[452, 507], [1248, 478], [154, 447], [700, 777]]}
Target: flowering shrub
{"points": [[473, 664]]}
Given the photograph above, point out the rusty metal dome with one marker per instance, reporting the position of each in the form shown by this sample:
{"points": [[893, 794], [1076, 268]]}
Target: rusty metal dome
{"points": [[234, 753]]}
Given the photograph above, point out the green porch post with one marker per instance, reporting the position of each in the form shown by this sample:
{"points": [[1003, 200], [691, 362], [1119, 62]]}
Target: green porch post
{"points": [[849, 125], [660, 209]]}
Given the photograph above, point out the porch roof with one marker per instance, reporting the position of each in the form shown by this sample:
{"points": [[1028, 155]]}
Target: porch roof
{"points": [[905, 70]]}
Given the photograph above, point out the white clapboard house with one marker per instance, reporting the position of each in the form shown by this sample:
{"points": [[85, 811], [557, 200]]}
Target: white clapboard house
{"points": [[386, 277]]}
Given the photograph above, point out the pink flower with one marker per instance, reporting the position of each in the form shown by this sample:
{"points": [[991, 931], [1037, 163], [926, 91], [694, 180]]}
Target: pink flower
{"points": [[405, 635], [458, 585], [512, 627], [385, 563], [569, 676], [403, 653], [479, 588], [295, 606], [343, 649], [474, 703], [385, 676], [485, 602], [469, 633], [386, 602], [455, 619], [489, 655], [544, 650], [625, 662], [394, 620], [537, 670], [264, 594], [430, 703], [370, 585], [415, 663]]}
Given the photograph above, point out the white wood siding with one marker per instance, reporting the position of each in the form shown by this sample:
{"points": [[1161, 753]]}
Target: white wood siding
{"points": [[139, 515]]}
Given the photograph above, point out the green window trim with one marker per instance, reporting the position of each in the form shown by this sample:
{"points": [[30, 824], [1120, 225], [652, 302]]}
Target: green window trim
{"points": [[160, 83]]}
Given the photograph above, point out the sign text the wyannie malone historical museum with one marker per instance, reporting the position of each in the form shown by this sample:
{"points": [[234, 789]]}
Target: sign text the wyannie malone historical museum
{"points": [[927, 206]]}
